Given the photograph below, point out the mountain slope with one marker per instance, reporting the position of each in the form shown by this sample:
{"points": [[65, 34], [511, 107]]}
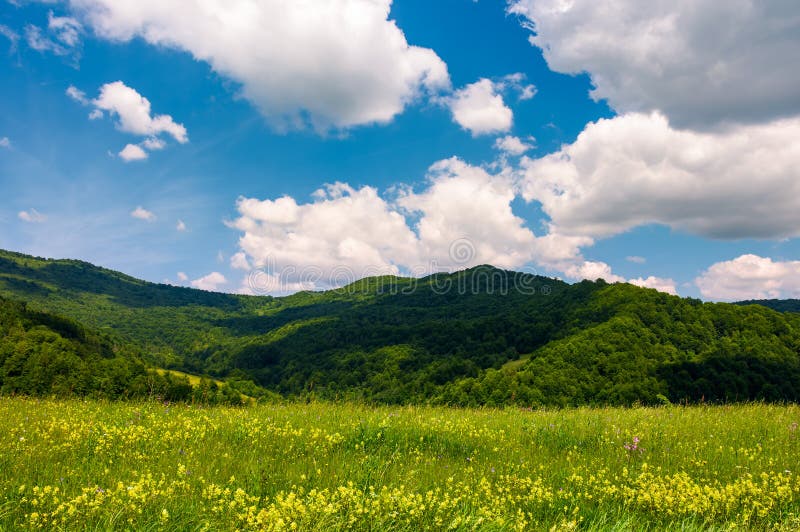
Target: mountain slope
{"points": [[652, 347], [160, 319], [480, 336], [44, 354]]}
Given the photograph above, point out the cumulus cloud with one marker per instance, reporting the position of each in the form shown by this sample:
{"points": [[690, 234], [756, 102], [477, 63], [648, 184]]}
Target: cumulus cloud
{"points": [[5, 142], [660, 284], [343, 228], [327, 64], [462, 217], [513, 145], [133, 112], [182, 277], [143, 214], [210, 282], [180, 226], [134, 115], [31, 216], [701, 62], [479, 108], [239, 261], [132, 152], [467, 205], [750, 277], [636, 169], [593, 270]]}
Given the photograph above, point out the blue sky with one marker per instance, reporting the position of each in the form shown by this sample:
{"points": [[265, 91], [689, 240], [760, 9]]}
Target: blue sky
{"points": [[683, 178]]}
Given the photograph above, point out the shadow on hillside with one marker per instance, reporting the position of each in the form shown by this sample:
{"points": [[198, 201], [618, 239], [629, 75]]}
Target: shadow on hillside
{"points": [[731, 379]]}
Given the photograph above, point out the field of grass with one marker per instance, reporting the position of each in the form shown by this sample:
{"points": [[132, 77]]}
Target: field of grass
{"points": [[93, 465]]}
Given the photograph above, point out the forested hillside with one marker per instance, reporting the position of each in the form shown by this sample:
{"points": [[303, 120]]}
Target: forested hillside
{"points": [[781, 305], [480, 336], [44, 354], [48, 355]]}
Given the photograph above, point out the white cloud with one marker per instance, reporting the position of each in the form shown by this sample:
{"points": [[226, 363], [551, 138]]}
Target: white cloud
{"points": [[41, 43], [143, 214], [660, 284], [328, 64], [31, 216], [11, 35], [210, 282], [260, 282], [134, 115], [67, 29], [479, 108], [65, 32], [528, 92], [636, 259], [701, 62], [593, 270], [182, 277], [343, 228], [461, 218], [78, 95], [466, 207], [750, 277], [239, 261], [516, 83], [512, 145], [153, 144], [133, 111], [636, 169], [180, 226], [5, 142], [132, 152]]}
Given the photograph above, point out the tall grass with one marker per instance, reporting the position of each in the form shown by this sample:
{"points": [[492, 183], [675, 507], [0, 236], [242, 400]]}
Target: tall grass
{"points": [[95, 465]]}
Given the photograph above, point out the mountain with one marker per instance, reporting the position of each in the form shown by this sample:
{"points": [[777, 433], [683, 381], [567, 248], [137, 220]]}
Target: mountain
{"points": [[479, 336]]}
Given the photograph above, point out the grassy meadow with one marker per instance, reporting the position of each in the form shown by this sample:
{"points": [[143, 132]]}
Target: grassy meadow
{"points": [[83, 465]]}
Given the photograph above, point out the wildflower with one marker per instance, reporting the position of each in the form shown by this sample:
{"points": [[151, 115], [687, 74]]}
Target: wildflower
{"points": [[633, 446]]}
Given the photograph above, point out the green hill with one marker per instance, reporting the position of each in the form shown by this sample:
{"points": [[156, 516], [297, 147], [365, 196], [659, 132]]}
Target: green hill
{"points": [[480, 336]]}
